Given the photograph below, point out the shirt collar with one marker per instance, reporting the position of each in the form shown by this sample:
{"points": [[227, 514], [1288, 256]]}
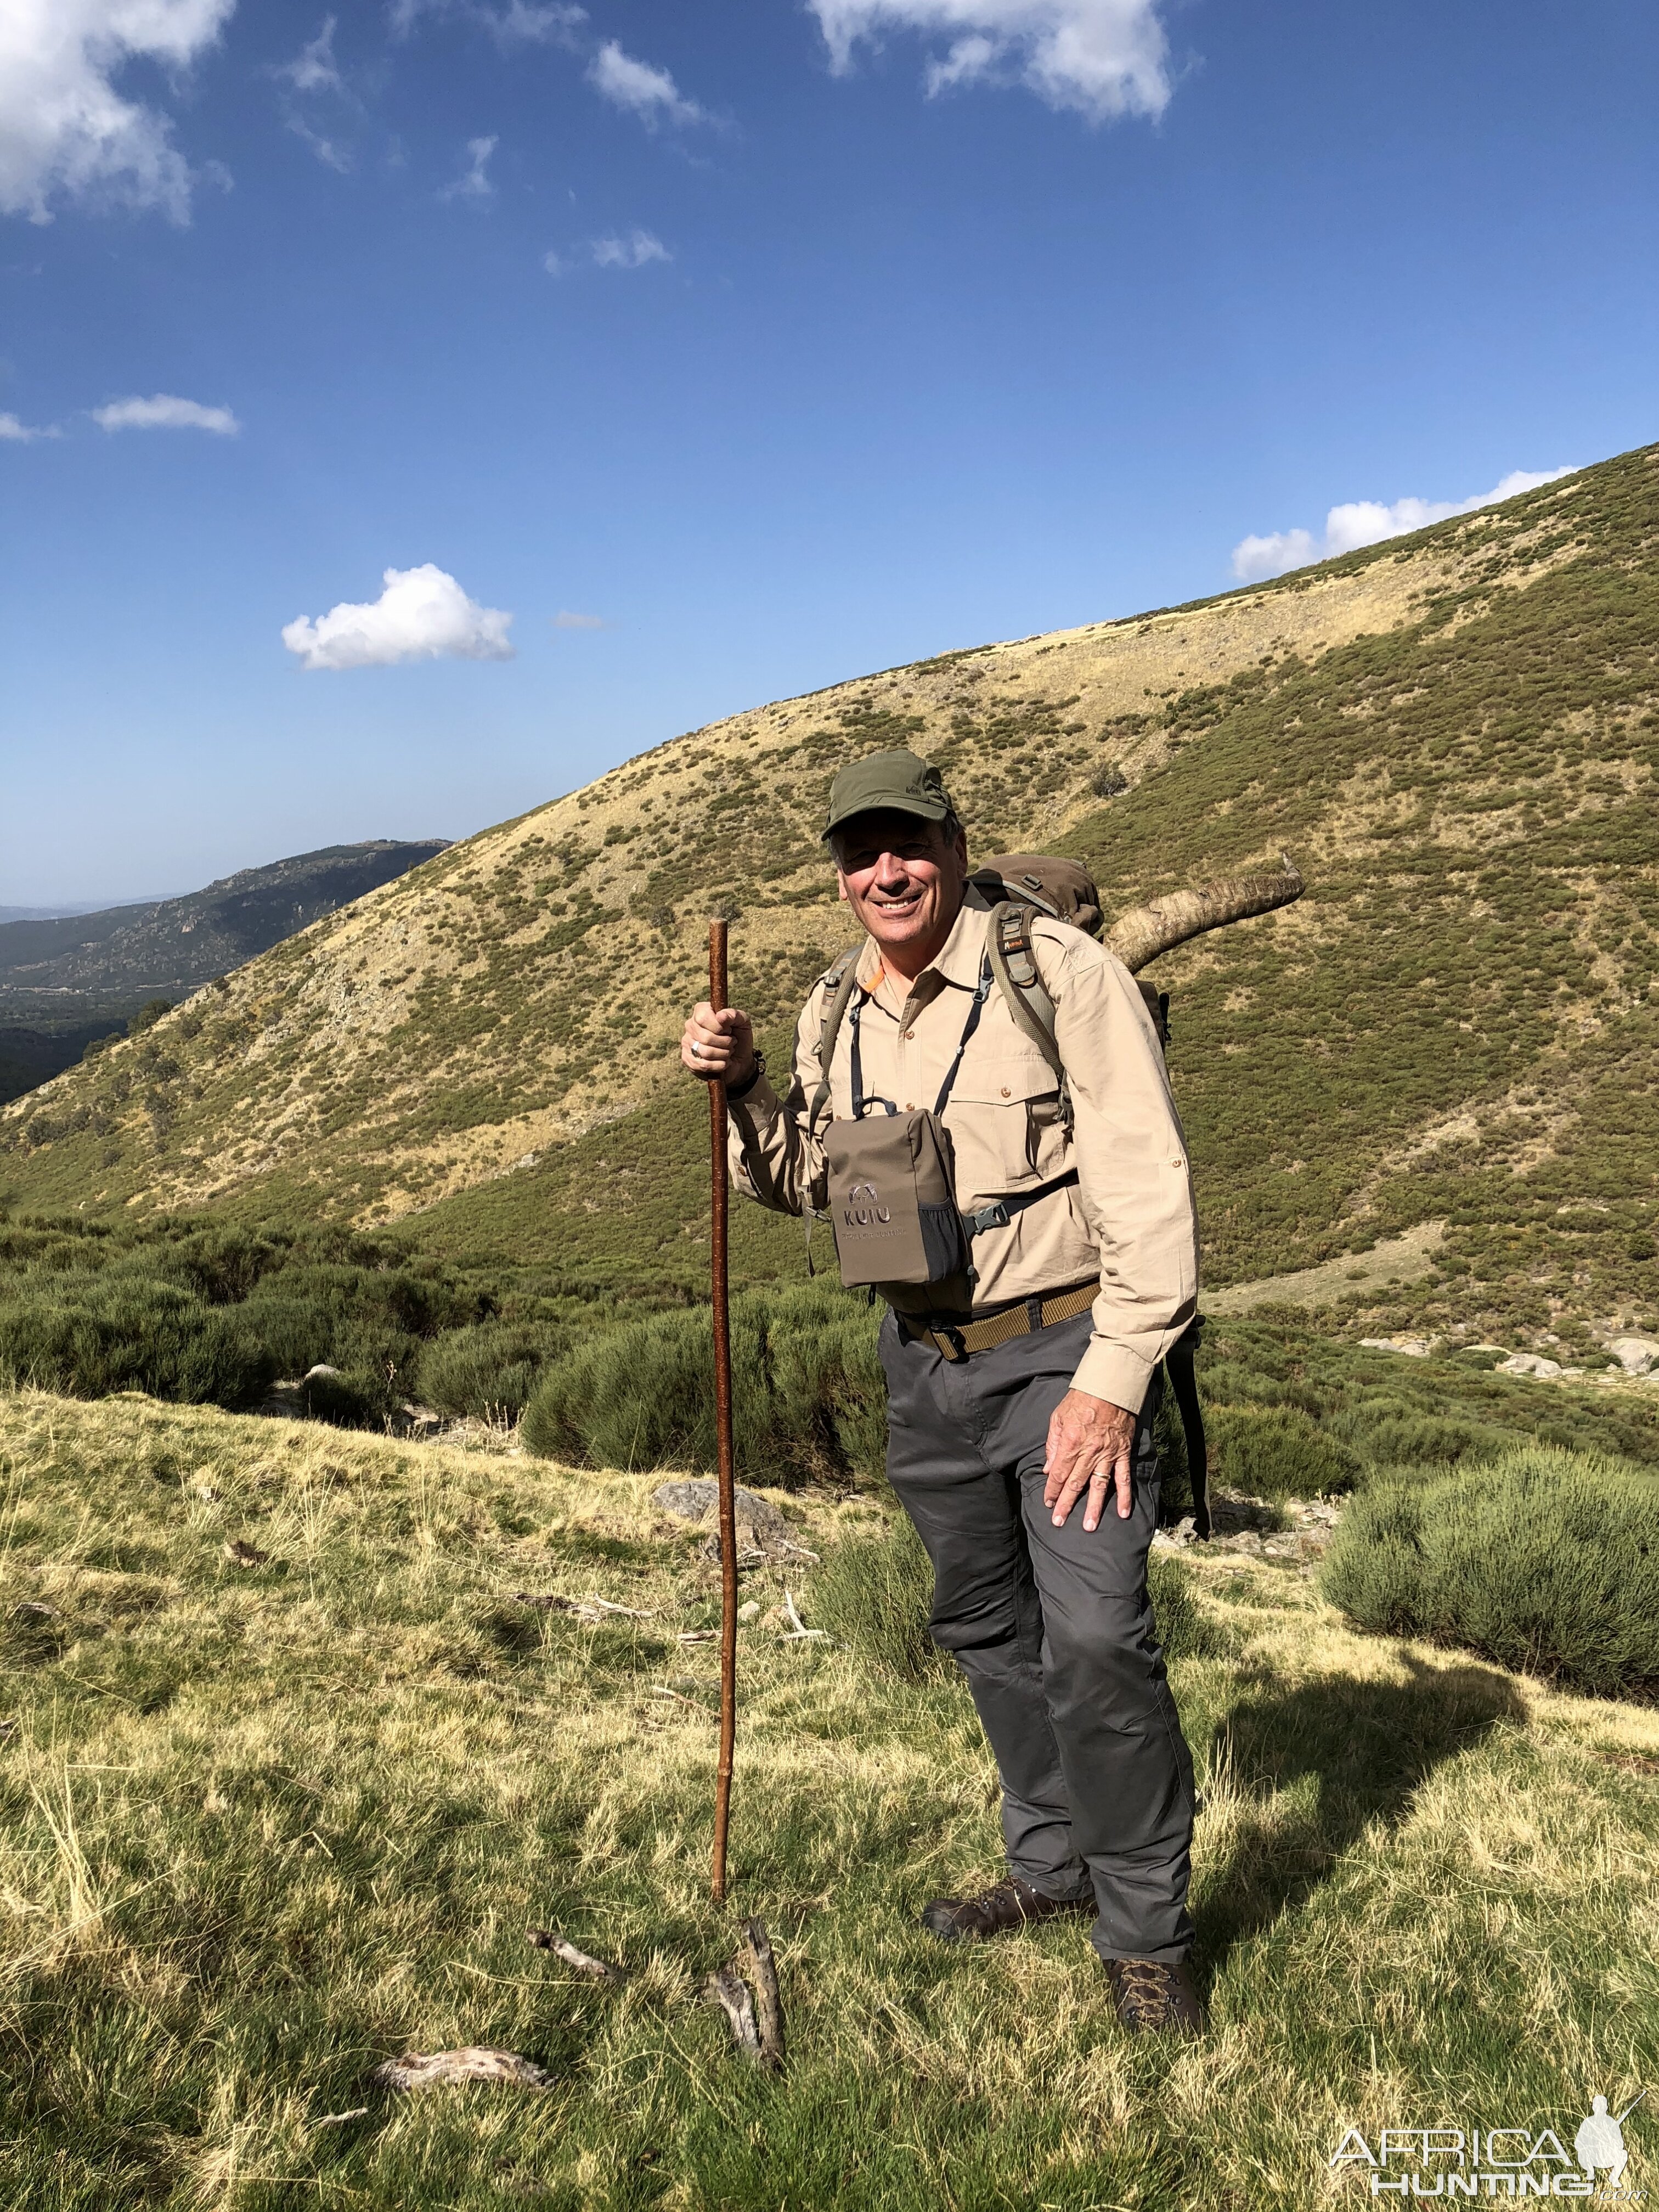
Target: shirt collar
{"points": [[961, 957]]}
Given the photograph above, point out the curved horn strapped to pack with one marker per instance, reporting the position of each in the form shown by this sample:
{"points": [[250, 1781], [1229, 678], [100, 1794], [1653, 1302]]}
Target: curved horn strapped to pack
{"points": [[1141, 935]]}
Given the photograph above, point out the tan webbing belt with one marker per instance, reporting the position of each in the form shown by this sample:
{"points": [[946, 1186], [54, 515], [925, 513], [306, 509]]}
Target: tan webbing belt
{"points": [[1022, 1320]]}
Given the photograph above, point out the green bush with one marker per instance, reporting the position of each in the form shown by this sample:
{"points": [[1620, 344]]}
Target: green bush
{"points": [[1545, 1560], [1276, 1451], [360, 1400], [875, 1593], [297, 1332], [91, 1339], [807, 1393], [488, 1371]]}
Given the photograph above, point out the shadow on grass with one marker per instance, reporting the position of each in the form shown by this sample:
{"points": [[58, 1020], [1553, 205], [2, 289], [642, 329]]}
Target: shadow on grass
{"points": [[1317, 1765]]}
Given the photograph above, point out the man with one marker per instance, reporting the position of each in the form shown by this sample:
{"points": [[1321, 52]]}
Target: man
{"points": [[1015, 1425]]}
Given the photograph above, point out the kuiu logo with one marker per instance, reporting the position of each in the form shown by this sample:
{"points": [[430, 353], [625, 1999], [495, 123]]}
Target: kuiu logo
{"points": [[1498, 2161], [862, 1207]]}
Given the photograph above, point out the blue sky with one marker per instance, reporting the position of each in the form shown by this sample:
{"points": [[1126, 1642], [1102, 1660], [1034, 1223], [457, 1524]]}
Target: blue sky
{"points": [[777, 342]]}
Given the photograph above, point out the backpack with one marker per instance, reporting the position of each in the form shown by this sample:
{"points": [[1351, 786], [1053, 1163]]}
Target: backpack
{"points": [[1020, 886]]}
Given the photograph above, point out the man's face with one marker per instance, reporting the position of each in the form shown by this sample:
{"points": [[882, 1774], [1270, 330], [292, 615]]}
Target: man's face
{"points": [[903, 877]]}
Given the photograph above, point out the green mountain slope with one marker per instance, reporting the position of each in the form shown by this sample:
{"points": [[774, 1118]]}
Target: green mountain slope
{"points": [[1454, 735]]}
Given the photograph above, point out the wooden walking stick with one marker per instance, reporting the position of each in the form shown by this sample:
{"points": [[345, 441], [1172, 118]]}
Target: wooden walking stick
{"points": [[728, 1515]]}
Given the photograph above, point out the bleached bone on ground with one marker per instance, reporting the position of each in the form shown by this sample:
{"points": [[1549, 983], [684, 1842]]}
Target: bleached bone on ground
{"points": [[663, 1690], [419, 2069], [1139, 937], [544, 1939], [589, 1609], [798, 1631]]}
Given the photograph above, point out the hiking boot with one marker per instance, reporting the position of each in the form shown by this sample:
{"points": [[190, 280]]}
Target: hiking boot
{"points": [[1153, 1998], [1009, 1905]]}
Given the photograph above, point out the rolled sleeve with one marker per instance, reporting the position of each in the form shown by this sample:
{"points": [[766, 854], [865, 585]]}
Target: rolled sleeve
{"points": [[1134, 1179]]}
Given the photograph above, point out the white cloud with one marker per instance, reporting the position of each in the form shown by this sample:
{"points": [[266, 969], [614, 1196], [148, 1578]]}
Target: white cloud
{"points": [[12, 432], [630, 252], [1255, 559], [64, 131], [565, 620], [1366, 522], [165, 412], [515, 23], [1100, 57], [649, 93], [474, 183], [422, 614], [314, 69]]}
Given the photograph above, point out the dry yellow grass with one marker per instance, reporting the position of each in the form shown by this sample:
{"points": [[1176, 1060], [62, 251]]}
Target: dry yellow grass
{"points": [[266, 1825]]}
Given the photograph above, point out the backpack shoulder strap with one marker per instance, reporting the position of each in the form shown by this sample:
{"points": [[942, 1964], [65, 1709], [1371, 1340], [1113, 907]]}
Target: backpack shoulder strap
{"points": [[839, 984], [1013, 962]]}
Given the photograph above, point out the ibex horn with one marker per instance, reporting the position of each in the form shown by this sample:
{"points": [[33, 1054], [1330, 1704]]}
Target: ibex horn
{"points": [[1140, 936]]}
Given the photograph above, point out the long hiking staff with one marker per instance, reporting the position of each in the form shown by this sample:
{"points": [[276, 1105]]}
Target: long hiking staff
{"points": [[728, 1514]]}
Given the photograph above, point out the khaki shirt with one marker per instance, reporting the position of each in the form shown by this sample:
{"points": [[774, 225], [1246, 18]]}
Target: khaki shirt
{"points": [[1128, 1220]]}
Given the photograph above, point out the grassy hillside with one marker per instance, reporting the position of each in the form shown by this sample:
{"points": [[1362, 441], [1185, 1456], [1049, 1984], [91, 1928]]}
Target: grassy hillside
{"points": [[1454, 734], [266, 1824]]}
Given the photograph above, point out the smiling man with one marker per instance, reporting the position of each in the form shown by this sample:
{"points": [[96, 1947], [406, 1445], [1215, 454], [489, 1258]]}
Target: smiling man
{"points": [[1021, 1376]]}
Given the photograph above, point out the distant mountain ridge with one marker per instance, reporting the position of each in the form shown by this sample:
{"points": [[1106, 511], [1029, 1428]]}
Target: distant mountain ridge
{"points": [[171, 947], [68, 980]]}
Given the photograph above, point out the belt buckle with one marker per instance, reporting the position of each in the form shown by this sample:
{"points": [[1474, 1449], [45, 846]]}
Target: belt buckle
{"points": [[951, 1345]]}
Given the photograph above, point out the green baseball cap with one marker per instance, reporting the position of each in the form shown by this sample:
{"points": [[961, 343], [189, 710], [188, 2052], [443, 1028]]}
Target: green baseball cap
{"points": [[897, 782]]}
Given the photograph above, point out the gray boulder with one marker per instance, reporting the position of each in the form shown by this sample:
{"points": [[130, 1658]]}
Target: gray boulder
{"points": [[698, 1500]]}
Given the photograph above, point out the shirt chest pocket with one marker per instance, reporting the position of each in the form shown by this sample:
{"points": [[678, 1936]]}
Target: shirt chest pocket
{"points": [[1003, 1118]]}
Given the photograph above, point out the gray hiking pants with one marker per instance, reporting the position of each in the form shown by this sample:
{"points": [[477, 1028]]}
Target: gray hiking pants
{"points": [[1051, 1628]]}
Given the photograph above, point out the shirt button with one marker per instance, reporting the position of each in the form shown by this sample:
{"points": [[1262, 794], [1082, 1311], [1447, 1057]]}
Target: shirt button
{"points": [[1175, 1163], [1007, 1092], [908, 1034]]}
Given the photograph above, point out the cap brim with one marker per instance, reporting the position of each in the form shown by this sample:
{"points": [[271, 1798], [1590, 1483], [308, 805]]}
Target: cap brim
{"points": [[923, 811]]}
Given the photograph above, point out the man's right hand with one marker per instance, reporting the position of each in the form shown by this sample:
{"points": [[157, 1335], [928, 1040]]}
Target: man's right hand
{"points": [[719, 1048]]}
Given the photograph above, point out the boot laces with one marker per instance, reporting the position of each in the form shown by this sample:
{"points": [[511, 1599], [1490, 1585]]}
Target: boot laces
{"points": [[1146, 1985]]}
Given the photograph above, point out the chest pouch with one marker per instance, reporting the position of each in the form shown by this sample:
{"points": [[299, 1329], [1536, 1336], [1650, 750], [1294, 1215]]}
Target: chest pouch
{"points": [[892, 1186]]}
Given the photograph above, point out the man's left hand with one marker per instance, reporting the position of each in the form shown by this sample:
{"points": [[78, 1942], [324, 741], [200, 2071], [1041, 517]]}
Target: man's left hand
{"points": [[1090, 1441]]}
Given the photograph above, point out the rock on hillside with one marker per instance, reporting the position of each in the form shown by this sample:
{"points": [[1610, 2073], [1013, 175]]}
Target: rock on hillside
{"points": [[1453, 734]]}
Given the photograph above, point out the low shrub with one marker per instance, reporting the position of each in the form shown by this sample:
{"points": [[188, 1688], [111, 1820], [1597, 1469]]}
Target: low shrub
{"points": [[359, 1399], [875, 1593], [488, 1371], [297, 1332], [1545, 1560], [808, 1395], [93, 1338], [1276, 1451]]}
